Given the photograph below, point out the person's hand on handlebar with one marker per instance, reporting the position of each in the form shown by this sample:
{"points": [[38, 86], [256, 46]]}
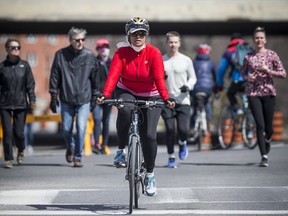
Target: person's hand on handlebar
{"points": [[100, 99], [170, 102]]}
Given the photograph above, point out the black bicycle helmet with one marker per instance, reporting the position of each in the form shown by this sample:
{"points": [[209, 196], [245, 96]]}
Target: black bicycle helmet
{"points": [[136, 24]]}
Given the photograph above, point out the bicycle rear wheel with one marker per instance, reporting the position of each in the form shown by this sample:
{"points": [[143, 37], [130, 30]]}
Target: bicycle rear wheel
{"points": [[249, 130], [225, 127], [200, 136], [131, 173]]}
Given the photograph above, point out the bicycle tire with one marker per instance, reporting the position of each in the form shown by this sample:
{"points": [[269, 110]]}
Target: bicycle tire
{"points": [[225, 127], [200, 135], [138, 167], [131, 173], [249, 130]]}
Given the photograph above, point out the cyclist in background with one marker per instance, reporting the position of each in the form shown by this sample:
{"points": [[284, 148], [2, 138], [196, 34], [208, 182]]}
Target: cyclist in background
{"points": [[205, 70], [237, 83], [137, 72], [103, 50], [180, 79], [263, 64]]}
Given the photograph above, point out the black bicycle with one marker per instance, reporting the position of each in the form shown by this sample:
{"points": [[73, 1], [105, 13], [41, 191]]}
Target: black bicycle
{"points": [[229, 122], [135, 170]]}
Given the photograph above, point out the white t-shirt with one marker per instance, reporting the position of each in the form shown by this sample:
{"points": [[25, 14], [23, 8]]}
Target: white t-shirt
{"points": [[179, 71]]}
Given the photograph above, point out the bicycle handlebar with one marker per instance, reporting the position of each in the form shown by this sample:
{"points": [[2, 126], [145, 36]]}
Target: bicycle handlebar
{"points": [[144, 103]]}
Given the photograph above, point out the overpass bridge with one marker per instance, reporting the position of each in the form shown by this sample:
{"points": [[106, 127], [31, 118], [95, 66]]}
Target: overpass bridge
{"points": [[103, 17]]}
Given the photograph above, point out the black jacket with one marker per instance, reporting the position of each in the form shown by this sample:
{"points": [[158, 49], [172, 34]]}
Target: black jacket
{"points": [[103, 71], [17, 85], [74, 75]]}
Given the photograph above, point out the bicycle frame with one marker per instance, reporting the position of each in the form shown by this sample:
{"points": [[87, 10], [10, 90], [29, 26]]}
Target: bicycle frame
{"points": [[200, 127], [135, 170]]}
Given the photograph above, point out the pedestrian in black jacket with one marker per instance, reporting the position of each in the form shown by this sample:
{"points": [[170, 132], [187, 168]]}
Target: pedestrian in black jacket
{"points": [[17, 96], [74, 76]]}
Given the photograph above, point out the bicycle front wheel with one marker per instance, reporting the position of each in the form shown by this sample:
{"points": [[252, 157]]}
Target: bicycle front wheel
{"points": [[131, 172], [249, 130], [225, 127], [139, 169]]}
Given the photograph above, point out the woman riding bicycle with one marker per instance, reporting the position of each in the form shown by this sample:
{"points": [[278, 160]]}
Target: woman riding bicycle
{"points": [[137, 72]]}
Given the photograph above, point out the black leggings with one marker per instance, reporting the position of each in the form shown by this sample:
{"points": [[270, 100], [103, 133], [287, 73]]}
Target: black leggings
{"points": [[232, 91], [147, 127], [263, 111], [180, 115], [13, 133]]}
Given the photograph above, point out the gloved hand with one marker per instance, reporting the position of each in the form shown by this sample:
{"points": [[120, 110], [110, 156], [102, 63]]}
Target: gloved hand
{"points": [[54, 103], [170, 101], [184, 89], [100, 99], [93, 103]]}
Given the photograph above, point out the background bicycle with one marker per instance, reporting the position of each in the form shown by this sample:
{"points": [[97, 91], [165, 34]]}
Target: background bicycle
{"points": [[231, 125], [199, 120], [135, 170]]}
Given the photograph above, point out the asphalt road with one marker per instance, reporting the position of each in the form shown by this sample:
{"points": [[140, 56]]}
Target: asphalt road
{"points": [[217, 182]]}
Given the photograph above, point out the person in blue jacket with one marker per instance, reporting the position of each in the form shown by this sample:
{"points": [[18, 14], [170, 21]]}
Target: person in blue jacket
{"points": [[237, 82], [205, 70]]}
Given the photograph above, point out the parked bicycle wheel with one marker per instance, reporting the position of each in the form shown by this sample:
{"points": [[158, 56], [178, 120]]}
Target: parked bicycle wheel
{"points": [[249, 130], [225, 127]]}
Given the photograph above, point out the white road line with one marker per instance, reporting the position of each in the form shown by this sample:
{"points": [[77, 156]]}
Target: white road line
{"points": [[150, 212], [24, 197]]}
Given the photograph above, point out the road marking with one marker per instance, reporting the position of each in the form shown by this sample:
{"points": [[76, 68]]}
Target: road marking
{"points": [[24, 197], [149, 212]]}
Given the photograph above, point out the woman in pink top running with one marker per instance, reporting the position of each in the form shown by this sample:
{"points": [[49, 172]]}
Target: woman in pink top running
{"points": [[260, 67]]}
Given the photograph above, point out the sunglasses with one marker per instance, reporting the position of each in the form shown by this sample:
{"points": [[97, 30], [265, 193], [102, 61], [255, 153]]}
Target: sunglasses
{"points": [[139, 33], [80, 39], [14, 47]]}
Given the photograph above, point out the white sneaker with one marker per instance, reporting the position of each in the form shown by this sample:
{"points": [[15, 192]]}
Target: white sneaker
{"points": [[150, 185]]}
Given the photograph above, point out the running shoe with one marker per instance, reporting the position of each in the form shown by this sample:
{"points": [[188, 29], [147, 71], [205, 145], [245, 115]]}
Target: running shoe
{"points": [[150, 185], [120, 159], [172, 162], [183, 151], [264, 162]]}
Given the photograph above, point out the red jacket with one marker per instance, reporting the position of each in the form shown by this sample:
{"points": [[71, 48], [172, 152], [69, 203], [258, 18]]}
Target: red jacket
{"points": [[141, 73]]}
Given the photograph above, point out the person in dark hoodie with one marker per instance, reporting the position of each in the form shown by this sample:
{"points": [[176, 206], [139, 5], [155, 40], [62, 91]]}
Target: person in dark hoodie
{"points": [[205, 70], [17, 96], [237, 83]]}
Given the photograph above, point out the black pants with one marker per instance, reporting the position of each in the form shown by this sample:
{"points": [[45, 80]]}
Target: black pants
{"points": [[13, 132], [263, 111], [181, 114], [232, 91], [147, 127]]}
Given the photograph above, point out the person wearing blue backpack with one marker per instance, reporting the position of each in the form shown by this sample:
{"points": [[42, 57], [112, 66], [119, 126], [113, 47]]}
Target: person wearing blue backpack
{"points": [[233, 59]]}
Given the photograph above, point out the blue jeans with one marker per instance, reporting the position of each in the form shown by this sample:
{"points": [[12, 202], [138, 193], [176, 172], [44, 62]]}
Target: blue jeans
{"points": [[68, 112], [29, 137], [105, 119]]}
